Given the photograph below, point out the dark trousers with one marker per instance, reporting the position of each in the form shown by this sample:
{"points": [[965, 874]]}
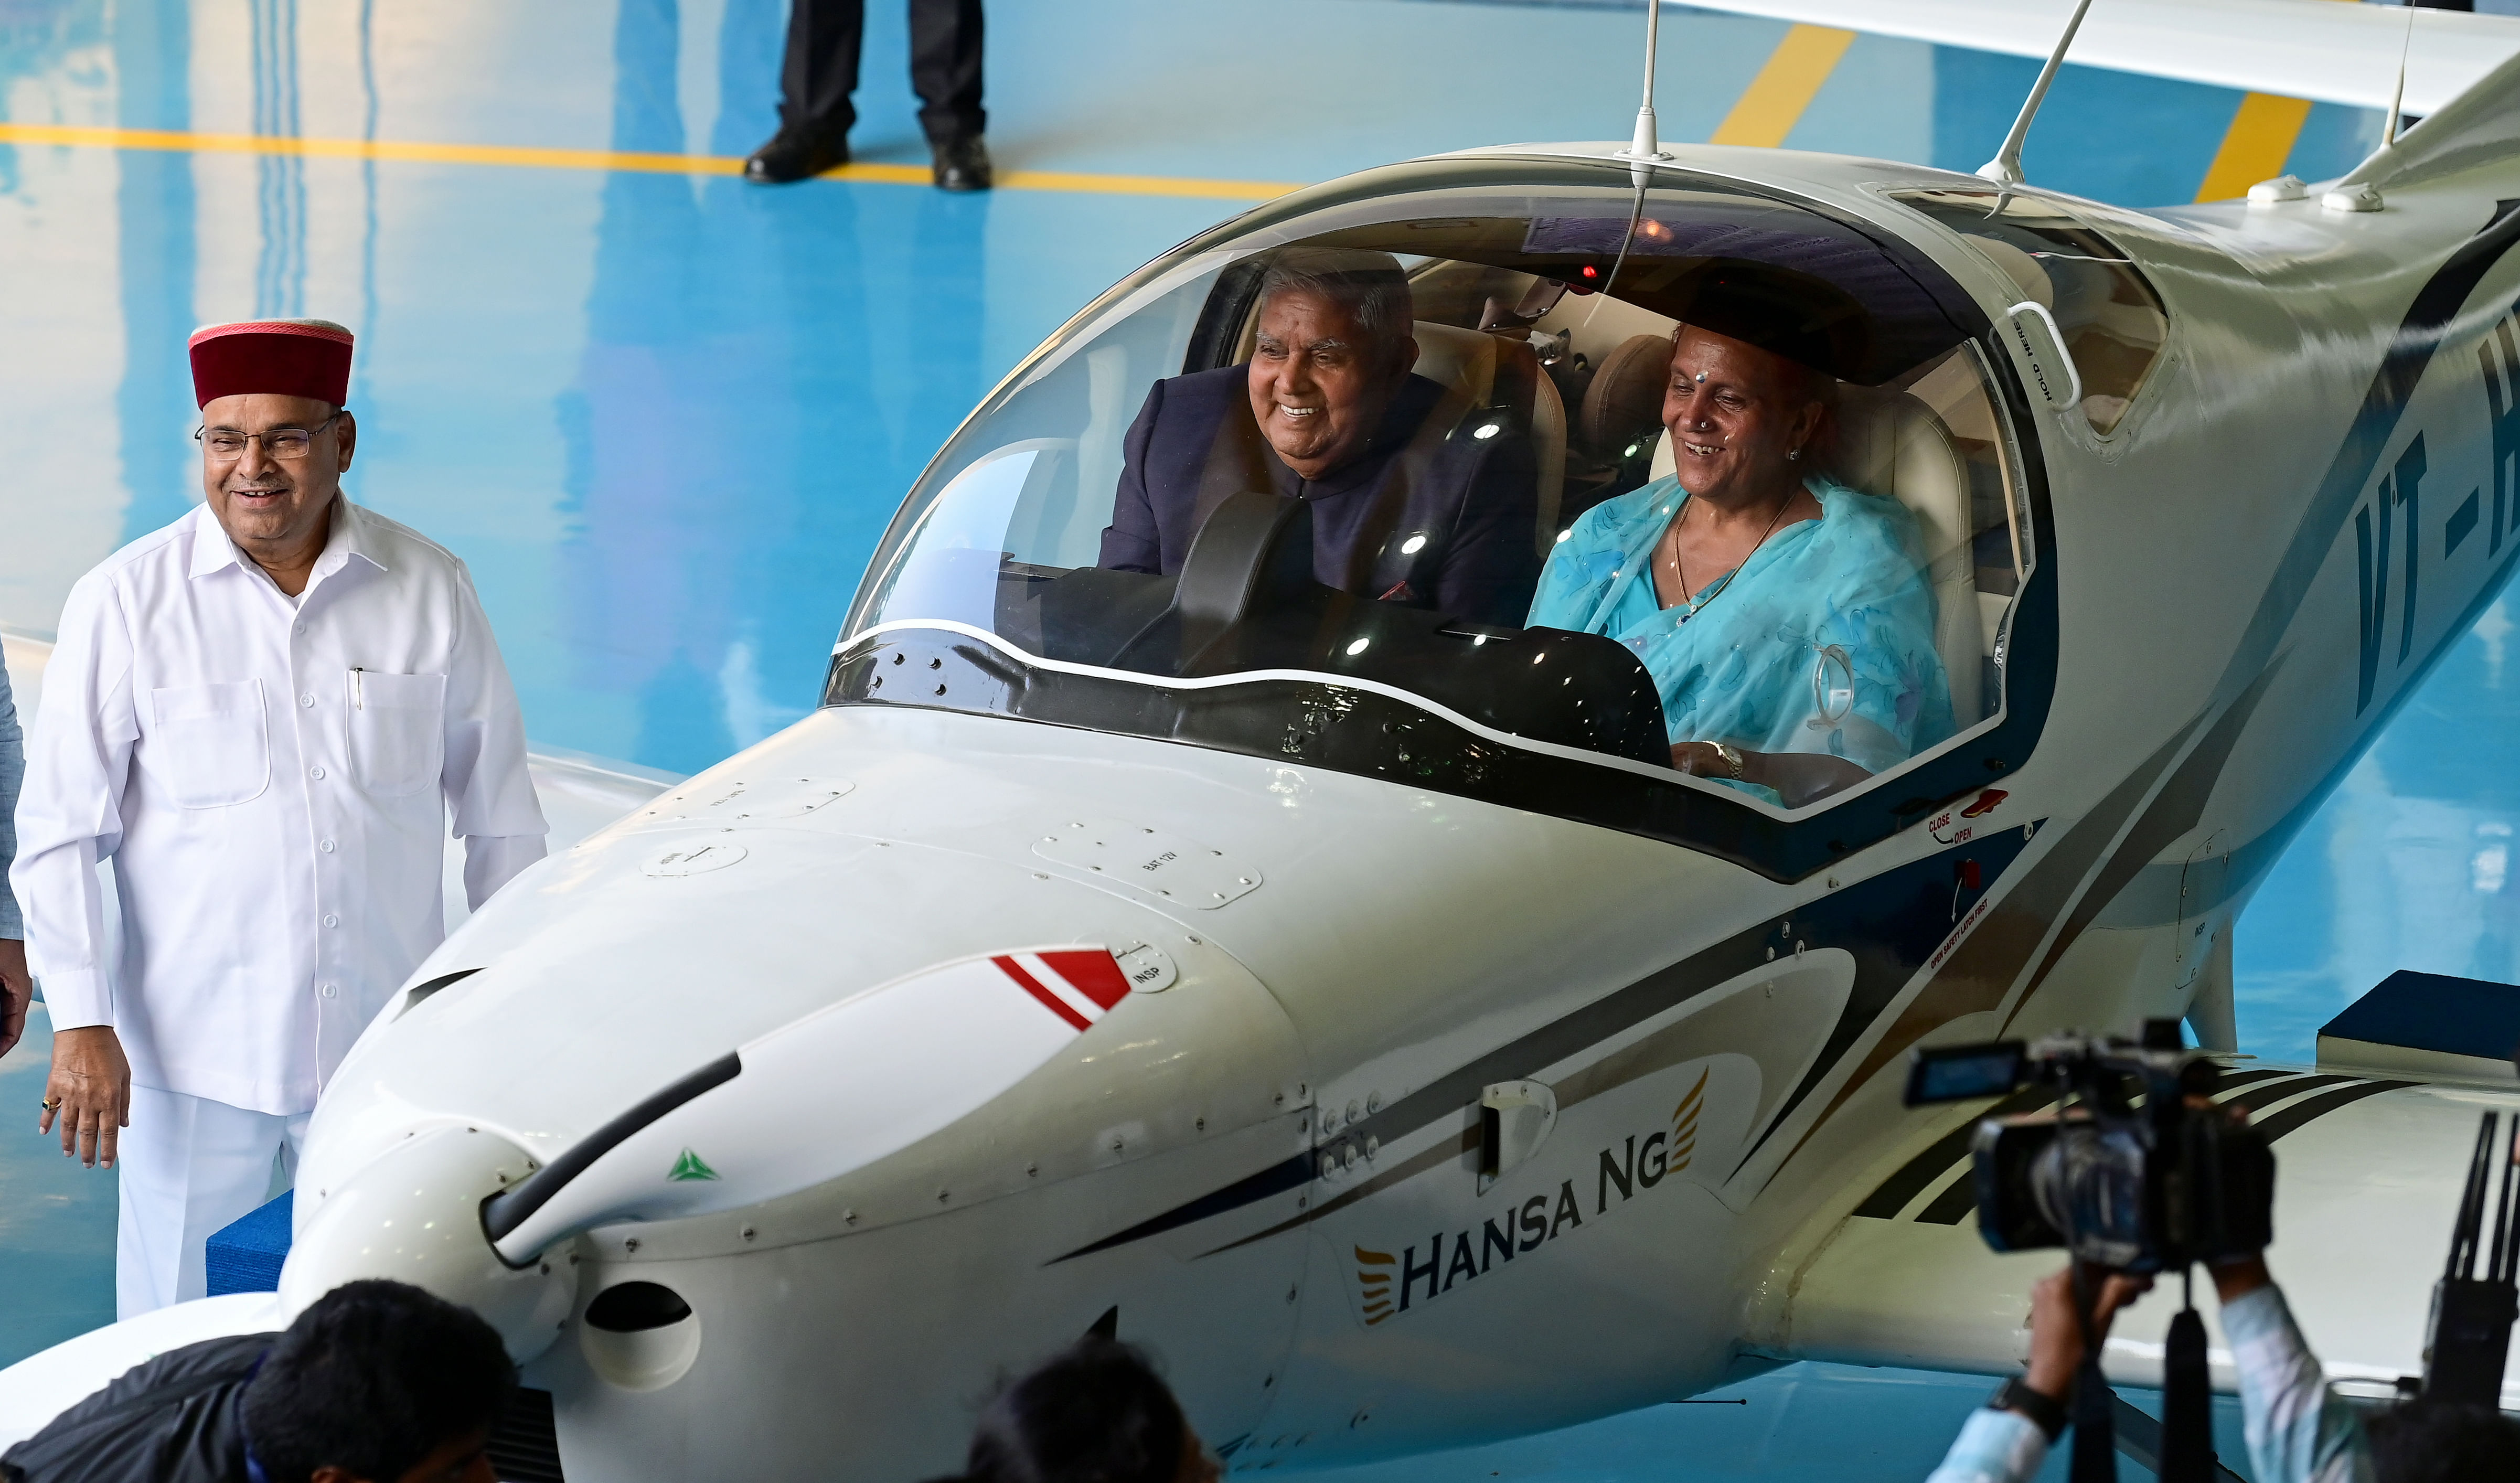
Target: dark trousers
{"points": [[824, 37]]}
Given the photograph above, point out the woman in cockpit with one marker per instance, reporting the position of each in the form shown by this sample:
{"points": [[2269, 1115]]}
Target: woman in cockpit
{"points": [[1785, 618]]}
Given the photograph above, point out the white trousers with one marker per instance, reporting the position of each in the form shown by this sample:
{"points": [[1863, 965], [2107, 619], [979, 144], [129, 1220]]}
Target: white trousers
{"points": [[189, 1167]]}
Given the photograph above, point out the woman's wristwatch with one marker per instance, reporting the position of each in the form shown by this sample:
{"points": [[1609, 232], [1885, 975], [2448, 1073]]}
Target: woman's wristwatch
{"points": [[1731, 756]]}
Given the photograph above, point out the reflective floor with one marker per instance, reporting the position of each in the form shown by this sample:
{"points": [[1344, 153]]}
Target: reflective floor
{"points": [[665, 414]]}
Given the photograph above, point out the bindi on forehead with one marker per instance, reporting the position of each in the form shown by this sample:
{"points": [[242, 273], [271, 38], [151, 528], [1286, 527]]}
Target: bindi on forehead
{"points": [[1720, 373]]}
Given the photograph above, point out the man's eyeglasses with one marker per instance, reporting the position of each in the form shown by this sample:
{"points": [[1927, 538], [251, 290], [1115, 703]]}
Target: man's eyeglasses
{"points": [[225, 445]]}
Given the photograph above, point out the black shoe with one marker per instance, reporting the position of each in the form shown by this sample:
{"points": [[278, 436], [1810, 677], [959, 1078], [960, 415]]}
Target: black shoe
{"points": [[963, 165], [794, 155]]}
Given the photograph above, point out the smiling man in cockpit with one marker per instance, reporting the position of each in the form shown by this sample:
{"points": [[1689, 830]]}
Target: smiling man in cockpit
{"points": [[1413, 502]]}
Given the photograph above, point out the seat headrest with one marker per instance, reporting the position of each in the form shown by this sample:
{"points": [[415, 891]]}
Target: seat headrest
{"points": [[1875, 428], [1463, 360], [1626, 395]]}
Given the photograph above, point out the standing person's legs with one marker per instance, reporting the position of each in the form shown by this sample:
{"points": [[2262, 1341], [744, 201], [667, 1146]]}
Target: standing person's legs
{"points": [[189, 1166], [821, 70], [815, 81], [945, 69]]}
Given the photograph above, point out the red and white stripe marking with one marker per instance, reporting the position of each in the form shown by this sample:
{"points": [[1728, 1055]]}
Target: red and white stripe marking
{"points": [[871, 1075], [1079, 985]]}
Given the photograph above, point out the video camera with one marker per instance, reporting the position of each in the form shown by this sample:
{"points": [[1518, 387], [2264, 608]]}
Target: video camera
{"points": [[2128, 1173]]}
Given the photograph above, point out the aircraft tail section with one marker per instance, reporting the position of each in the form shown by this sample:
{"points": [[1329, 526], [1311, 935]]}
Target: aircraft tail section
{"points": [[1904, 1278]]}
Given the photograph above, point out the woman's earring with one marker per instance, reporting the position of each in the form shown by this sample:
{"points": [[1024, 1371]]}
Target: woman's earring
{"points": [[1793, 453]]}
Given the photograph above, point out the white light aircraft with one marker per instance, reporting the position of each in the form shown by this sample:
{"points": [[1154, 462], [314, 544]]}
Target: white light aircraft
{"points": [[1351, 1003]]}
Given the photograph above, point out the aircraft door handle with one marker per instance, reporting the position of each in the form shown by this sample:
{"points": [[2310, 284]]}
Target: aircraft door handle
{"points": [[2035, 333], [1514, 1119]]}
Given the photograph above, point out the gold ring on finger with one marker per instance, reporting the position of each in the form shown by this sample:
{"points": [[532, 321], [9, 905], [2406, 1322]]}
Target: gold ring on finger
{"points": [[53, 1105]]}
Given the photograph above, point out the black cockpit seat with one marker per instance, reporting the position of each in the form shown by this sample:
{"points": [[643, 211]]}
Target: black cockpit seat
{"points": [[1497, 375], [1621, 411]]}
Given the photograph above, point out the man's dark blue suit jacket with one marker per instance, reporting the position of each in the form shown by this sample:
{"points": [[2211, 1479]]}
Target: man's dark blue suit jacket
{"points": [[1472, 500]]}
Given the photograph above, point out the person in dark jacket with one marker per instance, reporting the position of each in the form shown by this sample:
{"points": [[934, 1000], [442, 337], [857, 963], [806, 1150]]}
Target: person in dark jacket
{"points": [[377, 1382], [1413, 501], [1094, 1411]]}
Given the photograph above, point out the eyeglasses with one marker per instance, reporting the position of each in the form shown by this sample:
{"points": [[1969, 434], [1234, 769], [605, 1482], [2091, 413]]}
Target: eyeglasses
{"points": [[225, 445]]}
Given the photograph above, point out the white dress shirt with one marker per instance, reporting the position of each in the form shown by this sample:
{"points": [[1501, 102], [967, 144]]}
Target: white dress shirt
{"points": [[271, 779], [2299, 1429]]}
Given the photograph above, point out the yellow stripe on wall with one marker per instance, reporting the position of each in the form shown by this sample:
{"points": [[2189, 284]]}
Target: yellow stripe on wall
{"points": [[1776, 98], [2256, 144], [606, 159]]}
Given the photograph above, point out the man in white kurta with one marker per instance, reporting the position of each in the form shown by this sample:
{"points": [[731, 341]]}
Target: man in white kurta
{"points": [[262, 715]]}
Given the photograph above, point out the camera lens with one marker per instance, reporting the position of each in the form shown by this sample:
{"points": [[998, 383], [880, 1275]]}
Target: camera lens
{"points": [[2089, 1183]]}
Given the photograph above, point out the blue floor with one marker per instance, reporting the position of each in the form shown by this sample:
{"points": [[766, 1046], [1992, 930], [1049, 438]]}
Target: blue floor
{"points": [[666, 416], [1805, 1423], [56, 1218]]}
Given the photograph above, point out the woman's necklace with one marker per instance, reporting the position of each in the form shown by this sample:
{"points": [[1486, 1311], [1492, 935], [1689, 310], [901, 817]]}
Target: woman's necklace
{"points": [[1682, 579]]}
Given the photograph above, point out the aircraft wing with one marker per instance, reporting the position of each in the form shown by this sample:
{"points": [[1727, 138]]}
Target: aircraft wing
{"points": [[2370, 1170], [2324, 50]]}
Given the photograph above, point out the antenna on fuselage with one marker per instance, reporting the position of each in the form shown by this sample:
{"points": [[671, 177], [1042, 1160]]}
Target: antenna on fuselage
{"points": [[2398, 94], [2360, 188], [1645, 151], [2005, 170]]}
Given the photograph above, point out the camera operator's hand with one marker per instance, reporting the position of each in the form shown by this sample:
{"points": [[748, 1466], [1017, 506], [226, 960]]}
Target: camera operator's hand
{"points": [[2236, 1279], [2056, 1329]]}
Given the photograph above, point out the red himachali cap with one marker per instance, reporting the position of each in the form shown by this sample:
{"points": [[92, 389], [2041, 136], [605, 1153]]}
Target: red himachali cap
{"points": [[280, 357]]}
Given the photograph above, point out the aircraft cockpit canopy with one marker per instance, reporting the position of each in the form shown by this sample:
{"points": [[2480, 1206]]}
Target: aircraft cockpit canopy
{"points": [[1411, 451], [2111, 320]]}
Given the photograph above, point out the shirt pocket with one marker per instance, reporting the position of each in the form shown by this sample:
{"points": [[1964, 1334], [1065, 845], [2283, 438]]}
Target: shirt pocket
{"points": [[397, 731], [215, 745]]}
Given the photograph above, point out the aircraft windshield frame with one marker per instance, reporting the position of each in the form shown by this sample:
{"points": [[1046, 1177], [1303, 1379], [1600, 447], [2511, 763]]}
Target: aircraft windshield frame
{"points": [[988, 576]]}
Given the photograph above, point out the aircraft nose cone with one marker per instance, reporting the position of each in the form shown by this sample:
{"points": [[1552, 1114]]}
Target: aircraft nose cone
{"points": [[414, 1215]]}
